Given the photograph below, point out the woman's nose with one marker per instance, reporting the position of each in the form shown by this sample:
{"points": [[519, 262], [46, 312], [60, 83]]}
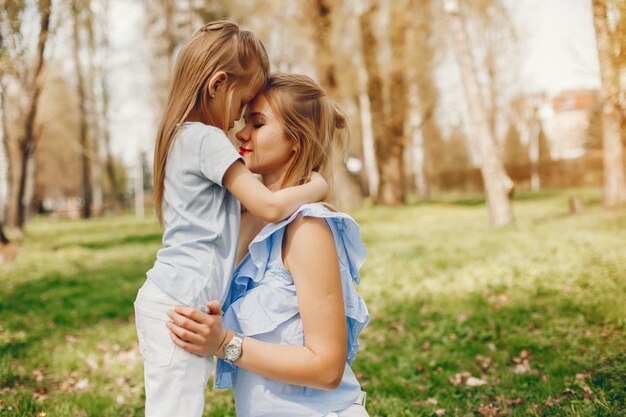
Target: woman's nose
{"points": [[242, 135]]}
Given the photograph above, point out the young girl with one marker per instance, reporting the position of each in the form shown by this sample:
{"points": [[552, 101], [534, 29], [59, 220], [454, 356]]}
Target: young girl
{"points": [[198, 180], [293, 314]]}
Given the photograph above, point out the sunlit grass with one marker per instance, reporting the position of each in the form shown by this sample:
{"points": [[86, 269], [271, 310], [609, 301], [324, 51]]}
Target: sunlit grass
{"points": [[542, 303]]}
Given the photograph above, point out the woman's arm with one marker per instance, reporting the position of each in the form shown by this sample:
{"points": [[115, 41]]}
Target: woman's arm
{"points": [[310, 256], [265, 204]]}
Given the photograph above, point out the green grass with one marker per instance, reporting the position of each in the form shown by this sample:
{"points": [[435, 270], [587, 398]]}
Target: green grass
{"points": [[448, 297]]}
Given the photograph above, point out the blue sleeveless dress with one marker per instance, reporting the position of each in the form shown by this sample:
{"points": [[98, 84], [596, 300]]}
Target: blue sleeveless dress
{"points": [[262, 303]]}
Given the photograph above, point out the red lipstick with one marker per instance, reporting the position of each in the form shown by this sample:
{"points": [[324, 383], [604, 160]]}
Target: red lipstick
{"points": [[244, 151]]}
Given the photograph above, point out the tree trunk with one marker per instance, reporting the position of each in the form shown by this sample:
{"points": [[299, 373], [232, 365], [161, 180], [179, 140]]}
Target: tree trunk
{"points": [[497, 183], [348, 193], [87, 192], [369, 150], [116, 197], [3, 239], [95, 123], [27, 142], [389, 131], [170, 34], [374, 82], [425, 135], [5, 160], [390, 148], [614, 181]]}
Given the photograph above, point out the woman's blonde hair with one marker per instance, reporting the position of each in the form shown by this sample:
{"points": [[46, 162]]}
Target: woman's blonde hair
{"points": [[218, 46], [311, 120]]}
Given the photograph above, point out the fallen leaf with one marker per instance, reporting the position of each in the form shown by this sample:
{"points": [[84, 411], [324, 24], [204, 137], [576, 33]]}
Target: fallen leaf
{"points": [[583, 375], [82, 384], [513, 401], [459, 378], [420, 368], [38, 374], [440, 411], [524, 354], [488, 411], [483, 361], [426, 403], [475, 382], [91, 363], [40, 394], [425, 346], [522, 368], [397, 326], [568, 392]]}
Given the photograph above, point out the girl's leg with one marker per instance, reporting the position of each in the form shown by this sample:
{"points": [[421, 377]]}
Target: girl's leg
{"points": [[175, 380]]}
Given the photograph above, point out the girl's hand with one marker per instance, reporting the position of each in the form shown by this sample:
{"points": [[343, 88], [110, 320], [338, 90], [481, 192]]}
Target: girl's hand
{"points": [[198, 332], [321, 186]]}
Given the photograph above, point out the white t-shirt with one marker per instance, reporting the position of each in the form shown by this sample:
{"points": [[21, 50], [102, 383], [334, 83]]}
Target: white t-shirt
{"points": [[200, 216]]}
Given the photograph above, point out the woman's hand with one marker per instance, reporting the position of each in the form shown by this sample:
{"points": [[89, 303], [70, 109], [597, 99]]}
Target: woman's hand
{"points": [[198, 332]]}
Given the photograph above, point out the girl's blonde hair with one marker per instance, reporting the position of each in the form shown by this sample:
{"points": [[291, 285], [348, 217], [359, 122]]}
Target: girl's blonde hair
{"points": [[218, 46], [311, 120]]}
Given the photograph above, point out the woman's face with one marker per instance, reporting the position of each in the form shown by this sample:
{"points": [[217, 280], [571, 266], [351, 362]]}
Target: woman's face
{"points": [[264, 145]]}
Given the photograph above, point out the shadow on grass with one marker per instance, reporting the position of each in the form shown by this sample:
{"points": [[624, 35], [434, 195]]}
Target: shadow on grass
{"points": [[99, 243], [132, 239], [586, 196], [59, 304]]}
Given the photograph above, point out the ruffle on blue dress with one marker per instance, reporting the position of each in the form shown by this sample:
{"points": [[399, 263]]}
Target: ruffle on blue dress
{"points": [[262, 298]]}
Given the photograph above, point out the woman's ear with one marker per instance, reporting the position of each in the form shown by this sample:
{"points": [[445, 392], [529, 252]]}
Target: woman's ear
{"points": [[216, 82]]}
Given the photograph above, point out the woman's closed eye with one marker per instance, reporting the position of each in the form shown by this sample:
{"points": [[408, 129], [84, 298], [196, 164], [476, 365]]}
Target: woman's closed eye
{"points": [[258, 125]]}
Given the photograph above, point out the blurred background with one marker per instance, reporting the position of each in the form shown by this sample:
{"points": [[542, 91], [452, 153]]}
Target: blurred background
{"points": [[494, 95], [485, 167]]}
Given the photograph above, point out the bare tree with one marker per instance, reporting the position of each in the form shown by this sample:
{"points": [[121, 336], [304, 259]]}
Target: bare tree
{"points": [[614, 181], [349, 193], [26, 142], [116, 195], [497, 183], [391, 153], [388, 129], [424, 96], [87, 191], [5, 167]]}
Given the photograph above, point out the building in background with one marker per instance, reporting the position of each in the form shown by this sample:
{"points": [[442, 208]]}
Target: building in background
{"points": [[566, 121]]}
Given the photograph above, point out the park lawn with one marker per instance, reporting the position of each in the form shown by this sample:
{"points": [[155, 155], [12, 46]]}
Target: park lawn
{"points": [[466, 321]]}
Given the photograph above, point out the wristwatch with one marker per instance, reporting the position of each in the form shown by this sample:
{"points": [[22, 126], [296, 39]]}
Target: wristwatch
{"points": [[232, 349]]}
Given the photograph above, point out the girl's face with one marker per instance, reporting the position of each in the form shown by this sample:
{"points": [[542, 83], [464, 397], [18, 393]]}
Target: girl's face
{"points": [[264, 145], [241, 97]]}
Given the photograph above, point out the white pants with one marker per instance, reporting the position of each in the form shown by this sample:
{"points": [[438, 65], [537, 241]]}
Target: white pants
{"points": [[355, 410], [175, 379]]}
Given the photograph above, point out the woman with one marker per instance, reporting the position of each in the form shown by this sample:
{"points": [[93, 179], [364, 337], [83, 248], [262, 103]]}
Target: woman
{"points": [[292, 316]]}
